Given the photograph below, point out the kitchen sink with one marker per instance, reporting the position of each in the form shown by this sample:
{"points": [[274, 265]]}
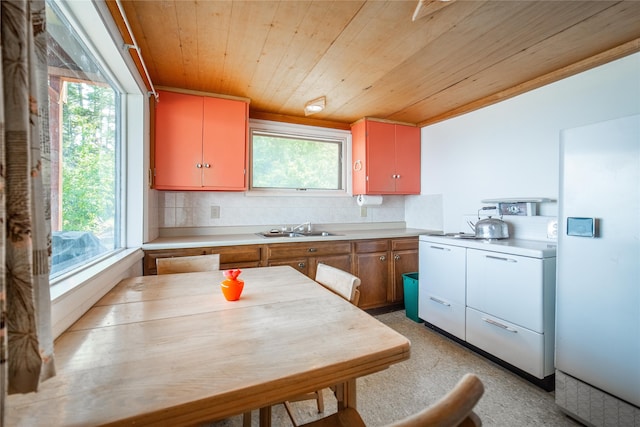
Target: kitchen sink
{"points": [[285, 233]]}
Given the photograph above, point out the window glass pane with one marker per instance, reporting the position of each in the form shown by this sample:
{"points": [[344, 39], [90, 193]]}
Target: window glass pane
{"points": [[83, 119], [287, 162]]}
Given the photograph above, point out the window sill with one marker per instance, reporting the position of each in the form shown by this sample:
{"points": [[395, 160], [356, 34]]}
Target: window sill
{"points": [[72, 296]]}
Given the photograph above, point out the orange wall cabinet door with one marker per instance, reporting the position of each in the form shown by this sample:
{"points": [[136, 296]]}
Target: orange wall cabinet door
{"points": [[407, 159], [178, 149], [386, 158], [380, 158], [200, 143], [224, 144], [359, 157]]}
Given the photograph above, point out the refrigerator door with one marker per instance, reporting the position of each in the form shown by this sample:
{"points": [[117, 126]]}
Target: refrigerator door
{"points": [[598, 278]]}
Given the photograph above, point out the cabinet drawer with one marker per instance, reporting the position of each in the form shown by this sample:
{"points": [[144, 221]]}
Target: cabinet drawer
{"points": [[239, 254], [404, 244], [289, 250], [518, 346], [507, 286], [302, 265], [364, 246], [150, 257], [446, 315]]}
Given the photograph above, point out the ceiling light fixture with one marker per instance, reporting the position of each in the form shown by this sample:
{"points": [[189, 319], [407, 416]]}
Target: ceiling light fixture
{"points": [[314, 106]]}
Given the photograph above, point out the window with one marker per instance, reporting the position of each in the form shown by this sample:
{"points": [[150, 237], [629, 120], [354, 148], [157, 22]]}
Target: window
{"points": [[83, 123], [298, 158]]}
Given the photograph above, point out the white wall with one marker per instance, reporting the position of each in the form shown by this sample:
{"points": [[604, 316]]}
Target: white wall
{"points": [[511, 149]]}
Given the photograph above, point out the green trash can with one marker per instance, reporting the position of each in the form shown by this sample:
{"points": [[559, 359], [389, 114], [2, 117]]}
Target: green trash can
{"points": [[410, 282]]}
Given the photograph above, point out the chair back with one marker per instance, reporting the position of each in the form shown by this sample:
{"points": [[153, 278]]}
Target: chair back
{"points": [[452, 410], [188, 264], [339, 281]]}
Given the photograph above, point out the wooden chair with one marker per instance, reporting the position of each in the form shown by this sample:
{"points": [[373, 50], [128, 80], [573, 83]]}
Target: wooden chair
{"points": [[452, 410], [187, 264], [344, 284], [339, 281]]}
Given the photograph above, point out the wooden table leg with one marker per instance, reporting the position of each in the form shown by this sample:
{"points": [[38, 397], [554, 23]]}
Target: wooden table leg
{"points": [[265, 416], [350, 394], [346, 394], [338, 390], [246, 419]]}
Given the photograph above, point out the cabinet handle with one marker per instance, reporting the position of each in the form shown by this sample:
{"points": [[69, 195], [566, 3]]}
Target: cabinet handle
{"points": [[398, 176], [199, 165], [499, 325], [440, 248], [383, 258], [301, 265], [312, 249], [501, 258], [439, 301], [397, 257], [207, 165]]}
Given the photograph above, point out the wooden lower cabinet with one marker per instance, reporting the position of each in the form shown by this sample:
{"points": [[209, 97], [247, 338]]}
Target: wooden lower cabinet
{"points": [[305, 257], [379, 263], [373, 271], [243, 256], [372, 267], [404, 259]]}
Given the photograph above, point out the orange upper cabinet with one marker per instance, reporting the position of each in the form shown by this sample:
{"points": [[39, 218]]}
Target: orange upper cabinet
{"points": [[200, 143], [386, 158]]}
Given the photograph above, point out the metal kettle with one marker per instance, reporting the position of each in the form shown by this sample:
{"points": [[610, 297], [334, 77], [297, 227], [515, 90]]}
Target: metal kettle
{"points": [[490, 228]]}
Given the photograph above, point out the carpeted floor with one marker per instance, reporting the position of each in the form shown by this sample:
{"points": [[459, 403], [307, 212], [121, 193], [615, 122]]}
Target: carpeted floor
{"points": [[436, 364]]}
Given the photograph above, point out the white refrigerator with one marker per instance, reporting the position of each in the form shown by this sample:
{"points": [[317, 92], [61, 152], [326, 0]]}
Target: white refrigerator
{"points": [[598, 274]]}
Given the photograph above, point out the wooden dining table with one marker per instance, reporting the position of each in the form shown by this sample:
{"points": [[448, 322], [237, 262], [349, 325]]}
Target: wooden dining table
{"points": [[170, 350]]}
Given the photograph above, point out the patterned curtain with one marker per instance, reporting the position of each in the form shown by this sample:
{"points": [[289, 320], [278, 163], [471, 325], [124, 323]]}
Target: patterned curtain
{"points": [[26, 348]]}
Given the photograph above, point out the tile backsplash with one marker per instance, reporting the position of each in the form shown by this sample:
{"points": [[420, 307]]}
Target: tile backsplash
{"points": [[207, 209]]}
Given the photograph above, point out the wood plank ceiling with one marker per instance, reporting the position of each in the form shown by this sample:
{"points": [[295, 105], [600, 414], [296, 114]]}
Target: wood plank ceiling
{"points": [[368, 58]]}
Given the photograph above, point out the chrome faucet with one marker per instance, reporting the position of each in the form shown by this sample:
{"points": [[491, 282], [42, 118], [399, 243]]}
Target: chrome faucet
{"points": [[301, 227]]}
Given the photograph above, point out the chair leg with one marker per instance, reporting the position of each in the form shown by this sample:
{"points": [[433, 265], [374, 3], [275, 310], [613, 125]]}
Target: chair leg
{"points": [[289, 409], [320, 401]]}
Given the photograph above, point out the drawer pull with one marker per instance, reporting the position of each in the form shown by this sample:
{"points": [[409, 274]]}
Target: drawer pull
{"points": [[396, 257], [498, 258], [383, 258], [441, 248], [439, 301], [499, 325], [312, 249], [301, 265]]}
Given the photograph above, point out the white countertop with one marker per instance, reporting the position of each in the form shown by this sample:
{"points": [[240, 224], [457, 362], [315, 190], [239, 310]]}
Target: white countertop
{"points": [[252, 238], [529, 248]]}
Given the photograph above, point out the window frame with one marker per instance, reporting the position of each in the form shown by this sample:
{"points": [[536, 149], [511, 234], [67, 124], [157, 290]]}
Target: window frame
{"points": [[70, 20], [75, 292], [292, 130]]}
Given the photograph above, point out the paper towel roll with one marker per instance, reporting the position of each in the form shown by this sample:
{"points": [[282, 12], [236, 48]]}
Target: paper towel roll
{"points": [[364, 200]]}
